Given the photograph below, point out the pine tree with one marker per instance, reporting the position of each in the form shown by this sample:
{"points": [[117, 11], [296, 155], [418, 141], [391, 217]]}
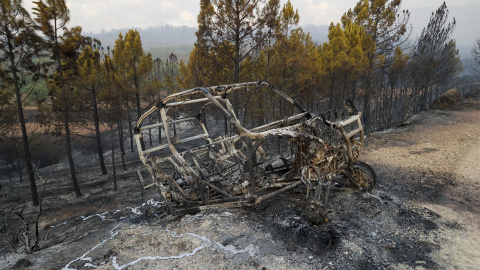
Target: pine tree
{"points": [[111, 96], [343, 57], [90, 76], [230, 31], [397, 79], [387, 26], [133, 63], [113, 109], [283, 64], [436, 60], [292, 63], [52, 17], [18, 49], [334, 57], [310, 74], [133, 67], [194, 73], [118, 78]]}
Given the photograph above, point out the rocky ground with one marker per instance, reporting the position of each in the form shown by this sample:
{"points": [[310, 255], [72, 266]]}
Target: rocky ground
{"points": [[423, 214]]}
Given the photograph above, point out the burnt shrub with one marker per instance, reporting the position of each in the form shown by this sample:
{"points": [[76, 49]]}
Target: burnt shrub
{"points": [[46, 149], [86, 145]]}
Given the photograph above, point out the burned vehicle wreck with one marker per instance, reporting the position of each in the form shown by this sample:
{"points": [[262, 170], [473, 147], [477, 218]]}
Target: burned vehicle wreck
{"points": [[199, 165]]}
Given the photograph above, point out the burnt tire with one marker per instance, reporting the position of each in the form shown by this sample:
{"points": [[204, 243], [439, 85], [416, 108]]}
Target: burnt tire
{"points": [[363, 176]]}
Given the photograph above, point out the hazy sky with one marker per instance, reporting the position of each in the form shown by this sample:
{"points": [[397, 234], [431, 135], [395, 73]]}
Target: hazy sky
{"points": [[95, 15]]}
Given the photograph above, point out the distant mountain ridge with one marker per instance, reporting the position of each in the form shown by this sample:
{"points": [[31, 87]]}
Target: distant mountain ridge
{"points": [[168, 35], [160, 36], [161, 41]]}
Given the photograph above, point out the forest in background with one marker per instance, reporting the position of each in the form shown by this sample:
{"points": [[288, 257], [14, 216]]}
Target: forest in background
{"points": [[164, 40], [59, 85]]}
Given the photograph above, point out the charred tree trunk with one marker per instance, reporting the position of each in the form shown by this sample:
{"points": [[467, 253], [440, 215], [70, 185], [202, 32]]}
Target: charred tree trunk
{"points": [[424, 99], [26, 148], [129, 118], [353, 92], [97, 132], [139, 111], [9, 172], [66, 115], [120, 139], [430, 97], [17, 157], [332, 93], [68, 144], [366, 110], [113, 160]]}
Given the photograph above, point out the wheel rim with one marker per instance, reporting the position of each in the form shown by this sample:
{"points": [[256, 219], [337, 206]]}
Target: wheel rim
{"points": [[363, 176]]}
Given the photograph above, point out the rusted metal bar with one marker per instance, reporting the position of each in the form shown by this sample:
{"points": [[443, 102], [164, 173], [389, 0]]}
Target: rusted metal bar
{"points": [[270, 195], [348, 121], [219, 190], [279, 185], [151, 150], [251, 173], [178, 186], [354, 132]]}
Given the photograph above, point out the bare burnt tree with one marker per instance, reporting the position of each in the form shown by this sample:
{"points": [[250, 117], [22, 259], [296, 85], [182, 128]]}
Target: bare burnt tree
{"points": [[436, 59]]}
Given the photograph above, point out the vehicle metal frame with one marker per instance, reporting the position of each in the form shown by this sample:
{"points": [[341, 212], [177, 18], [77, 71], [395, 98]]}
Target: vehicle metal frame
{"points": [[242, 169]]}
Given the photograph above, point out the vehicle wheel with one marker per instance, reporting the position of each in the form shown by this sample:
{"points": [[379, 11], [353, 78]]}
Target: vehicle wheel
{"points": [[363, 176]]}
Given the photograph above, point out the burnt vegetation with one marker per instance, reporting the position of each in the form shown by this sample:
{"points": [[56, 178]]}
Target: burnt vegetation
{"points": [[64, 95]]}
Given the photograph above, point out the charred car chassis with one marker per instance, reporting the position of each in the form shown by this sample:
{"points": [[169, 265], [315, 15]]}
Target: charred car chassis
{"points": [[249, 166]]}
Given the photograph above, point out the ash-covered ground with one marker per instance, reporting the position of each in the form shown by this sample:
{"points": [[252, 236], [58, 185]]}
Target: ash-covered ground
{"points": [[423, 214]]}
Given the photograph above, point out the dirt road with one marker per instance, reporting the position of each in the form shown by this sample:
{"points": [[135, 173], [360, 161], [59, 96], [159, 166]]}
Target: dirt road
{"points": [[424, 214], [435, 164]]}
